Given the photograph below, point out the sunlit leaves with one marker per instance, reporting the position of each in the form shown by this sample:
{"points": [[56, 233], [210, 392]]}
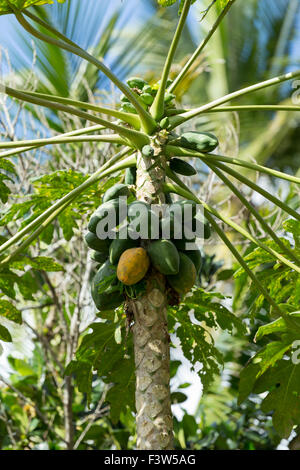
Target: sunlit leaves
{"points": [[196, 341], [275, 370], [41, 263], [9, 311], [99, 352], [22, 4], [6, 167], [5, 334]]}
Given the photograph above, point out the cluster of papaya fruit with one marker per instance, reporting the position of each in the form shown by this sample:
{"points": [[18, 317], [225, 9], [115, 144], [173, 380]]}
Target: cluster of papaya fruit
{"points": [[146, 94], [145, 240], [138, 238]]}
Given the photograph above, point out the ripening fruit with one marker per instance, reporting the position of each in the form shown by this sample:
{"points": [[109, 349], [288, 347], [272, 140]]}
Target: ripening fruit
{"points": [[133, 266]]}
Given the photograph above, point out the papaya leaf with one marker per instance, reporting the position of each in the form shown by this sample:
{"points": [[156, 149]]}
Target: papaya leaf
{"points": [[10, 312], [4, 190], [260, 363], [41, 263], [5, 334], [5, 7], [213, 313], [26, 284], [281, 325], [293, 226], [99, 352], [283, 384]]}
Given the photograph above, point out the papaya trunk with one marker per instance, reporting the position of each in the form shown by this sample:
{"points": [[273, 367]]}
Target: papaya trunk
{"points": [[151, 338]]}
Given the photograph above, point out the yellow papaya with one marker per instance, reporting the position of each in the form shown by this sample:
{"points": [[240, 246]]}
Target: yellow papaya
{"points": [[133, 266]]}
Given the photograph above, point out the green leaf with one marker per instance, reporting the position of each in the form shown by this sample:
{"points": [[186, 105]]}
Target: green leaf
{"points": [[5, 334], [178, 397], [263, 360], [42, 263], [283, 384], [22, 4], [10, 312], [289, 324], [293, 226], [100, 352]]}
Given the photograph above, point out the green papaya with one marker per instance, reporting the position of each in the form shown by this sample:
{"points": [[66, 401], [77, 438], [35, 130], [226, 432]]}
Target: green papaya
{"points": [[136, 82], [96, 243], [143, 220], [116, 191], [110, 298], [164, 123], [167, 226], [128, 108], [148, 151], [181, 167], [164, 256], [200, 141], [119, 245], [183, 281], [182, 242], [178, 214], [147, 89], [130, 175], [99, 256], [169, 97], [114, 206], [124, 99], [147, 98], [195, 257], [206, 231], [188, 208]]}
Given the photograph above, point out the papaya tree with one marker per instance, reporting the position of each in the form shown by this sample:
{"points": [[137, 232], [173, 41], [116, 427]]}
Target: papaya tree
{"points": [[147, 284]]}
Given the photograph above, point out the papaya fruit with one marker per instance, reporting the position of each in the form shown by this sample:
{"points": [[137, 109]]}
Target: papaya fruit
{"points": [[136, 82], [109, 298], [181, 243], [188, 207], [164, 123], [130, 175], [143, 220], [147, 89], [181, 167], [119, 245], [167, 226], [133, 266], [200, 141], [128, 108], [124, 99], [108, 209], [205, 229], [99, 256], [183, 281], [148, 151], [115, 191], [96, 243], [169, 97], [195, 257], [178, 214], [164, 256], [147, 98]]}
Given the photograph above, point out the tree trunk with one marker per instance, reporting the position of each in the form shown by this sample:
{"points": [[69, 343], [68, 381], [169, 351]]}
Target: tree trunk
{"points": [[151, 338]]}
